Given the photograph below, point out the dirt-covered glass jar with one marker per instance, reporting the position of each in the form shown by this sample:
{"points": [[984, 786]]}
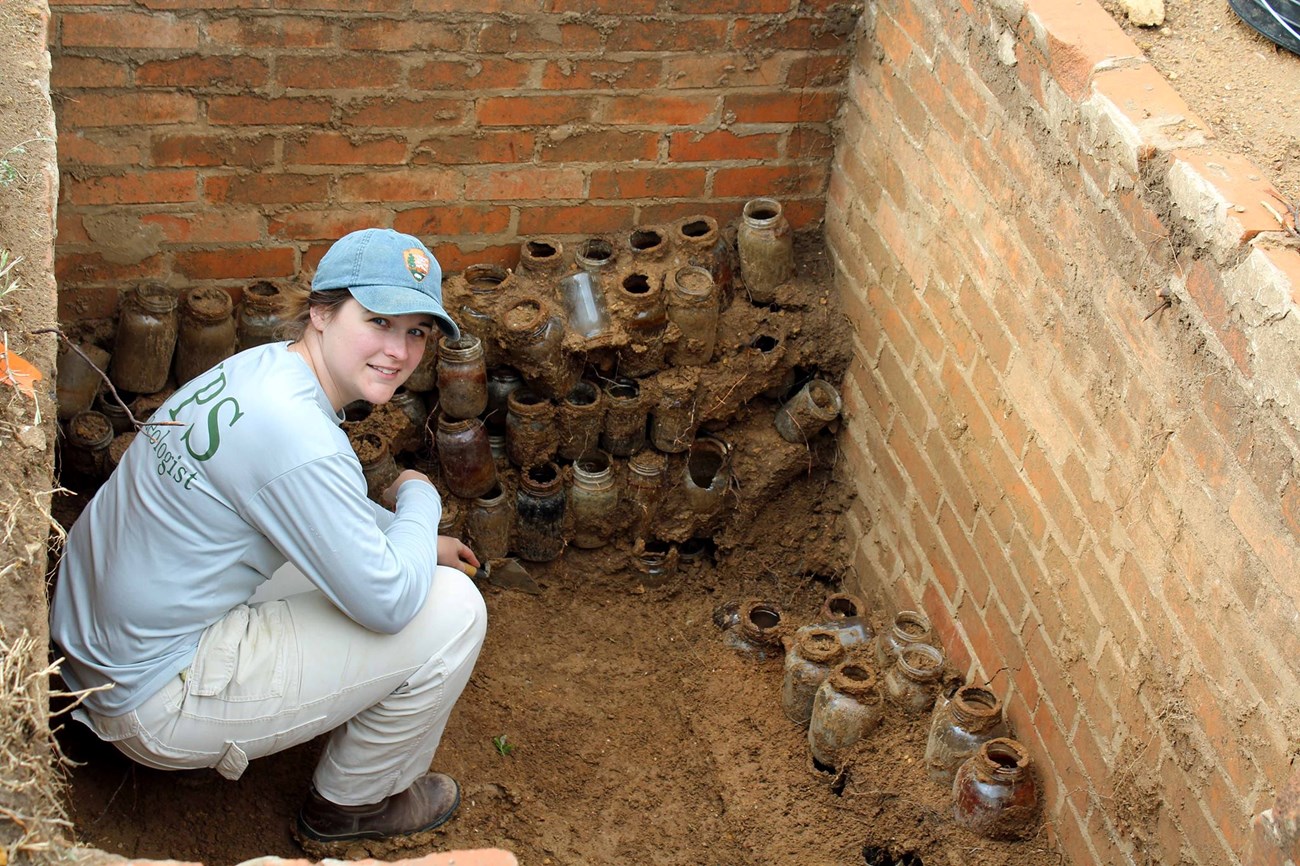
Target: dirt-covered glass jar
{"points": [[78, 380], [541, 256], [643, 488], [959, 726], [700, 242], [377, 463], [580, 418], [644, 316], [654, 562], [411, 437], [85, 447], [452, 518], [804, 415], [807, 664], [462, 377], [117, 450], [847, 614], [693, 308], [145, 340], [535, 338], [766, 248], [994, 793], [465, 456], [647, 244], [488, 524], [531, 433], [913, 681], [758, 630], [501, 382], [672, 421], [206, 335], [909, 627], [707, 475], [485, 287], [625, 418], [259, 320], [117, 414], [540, 505], [593, 500], [847, 708]]}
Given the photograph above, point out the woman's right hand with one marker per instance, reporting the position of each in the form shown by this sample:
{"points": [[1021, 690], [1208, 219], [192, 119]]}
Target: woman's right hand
{"points": [[389, 496]]}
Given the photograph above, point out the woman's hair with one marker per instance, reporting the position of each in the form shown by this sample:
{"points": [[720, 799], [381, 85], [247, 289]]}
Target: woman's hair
{"points": [[296, 304]]}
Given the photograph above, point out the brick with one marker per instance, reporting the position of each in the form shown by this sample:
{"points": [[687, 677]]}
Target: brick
{"points": [[454, 259], [206, 227], [629, 183], [525, 183], [779, 181], [542, 37], [266, 189], [326, 225], [720, 69], [271, 32], [332, 148], [532, 110], [342, 5], [401, 34], [619, 75], [916, 469], [406, 113], [119, 29], [818, 70], [257, 111], [74, 72], [795, 34], [602, 146], [97, 108], [212, 150], [605, 7], [808, 142], [669, 212], [203, 72], [779, 107], [71, 268], [720, 145], [105, 147], [659, 111], [206, 6], [701, 35], [476, 75], [453, 220], [344, 72], [477, 149], [240, 263], [941, 566], [409, 184], [137, 188]]}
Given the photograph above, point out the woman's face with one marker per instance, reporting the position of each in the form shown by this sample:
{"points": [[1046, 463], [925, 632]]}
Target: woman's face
{"points": [[367, 356]]}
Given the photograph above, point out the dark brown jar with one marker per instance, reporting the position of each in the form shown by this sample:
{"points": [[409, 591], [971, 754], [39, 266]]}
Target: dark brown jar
{"points": [[960, 725], [914, 680], [693, 308], [580, 418], [808, 663], [644, 317], [994, 792], [207, 332], [909, 627], [501, 383], [643, 488], [758, 630], [462, 377], [465, 456], [846, 614], [846, 708], [700, 242], [78, 381], [531, 433], [593, 500], [766, 248], [117, 450], [539, 514], [117, 414], [625, 418], [536, 340], [708, 474], [488, 525], [805, 414], [85, 448], [259, 315], [146, 339], [411, 438], [672, 422], [486, 285], [654, 562], [377, 464]]}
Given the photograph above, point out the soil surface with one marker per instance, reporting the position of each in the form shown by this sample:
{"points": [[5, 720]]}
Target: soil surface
{"points": [[1238, 82]]}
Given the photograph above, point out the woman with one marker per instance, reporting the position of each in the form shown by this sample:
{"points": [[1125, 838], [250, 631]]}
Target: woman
{"points": [[248, 470]]}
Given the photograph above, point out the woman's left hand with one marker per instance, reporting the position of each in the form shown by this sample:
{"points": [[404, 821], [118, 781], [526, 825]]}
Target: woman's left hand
{"points": [[455, 554]]}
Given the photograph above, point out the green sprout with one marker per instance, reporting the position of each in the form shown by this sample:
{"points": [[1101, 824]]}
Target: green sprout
{"points": [[503, 748]]}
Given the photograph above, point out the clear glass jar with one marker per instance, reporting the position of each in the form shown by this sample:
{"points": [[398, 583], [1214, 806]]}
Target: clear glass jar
{"points": [[580, 417], [531, 433], [625, 418], [593, 500], [708, 475], [540, 505], [488, 525], [654, 562], [644, 317], [583, 291], [206, 336], [536, 340], [78, 380], [146, 339], [804, 415], [847, 708], [994, 792], [465, 456], [847, 614], [259, 319], [914, 679], [766, 248], [959, 726], [85, 448], [643, 488], [501, 382], [693, 307], [910, 626], [700, 242], [758, 630], [807, 664], [462, 377], [672, 422]]}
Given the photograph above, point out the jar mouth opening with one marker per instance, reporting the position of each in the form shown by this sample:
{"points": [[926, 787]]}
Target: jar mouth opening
{"points": [[541, 250], [762, 209], [485, 278], [912, 624], [636, 284], [655, 547], [642, 240], [1006, 754], [857, 673], [263, 289], [921, 659], [764, 343], [492, 496], [593, 462], [842, 606], [544, 474], [623, 390], [764, 616], [524, 316], [693, 280], [597, 250], [823, 395], [977, 701], [696, 228], [583, 394], [526, 397]]}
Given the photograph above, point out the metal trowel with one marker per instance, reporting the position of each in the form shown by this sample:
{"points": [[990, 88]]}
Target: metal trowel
{"points": [[507, 574]]}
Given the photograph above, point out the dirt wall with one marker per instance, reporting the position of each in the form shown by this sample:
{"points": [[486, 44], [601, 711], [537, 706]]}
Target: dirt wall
{"points": [[1073, 412], [220, 143]]}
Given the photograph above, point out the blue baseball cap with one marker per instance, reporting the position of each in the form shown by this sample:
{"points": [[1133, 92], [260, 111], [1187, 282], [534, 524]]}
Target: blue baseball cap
{"points": [[388, 273]]}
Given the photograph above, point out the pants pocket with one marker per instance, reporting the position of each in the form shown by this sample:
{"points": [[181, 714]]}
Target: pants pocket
{"points": [[244, 656]]}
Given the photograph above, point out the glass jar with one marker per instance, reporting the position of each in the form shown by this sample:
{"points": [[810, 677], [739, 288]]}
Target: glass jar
{"points": [[531, 434], [693, 307], [708, 474], [593, 500], [259, 319], [910, 626], [462, 377], [644, 317], [758, 630], [415, 413], [465, 456], [78, 379], [487, 285], [804, 415], [541, 256], [807, 664], [207, 332], [766, 248], [377, 464], [700, 242], [643, 489], [452, 518], [117, 414], [847, 614], [647, 244], [540, 503], [488, 525], [672, 423], [85, 448], [424, 378], [580, 417], [994, 792], [117, 450], [536, 341], [847, 708], [625, 418], [583, 291], [497, 442], [913, 681], [146, 339], [959, 726], [654, 562], [501, 382]]}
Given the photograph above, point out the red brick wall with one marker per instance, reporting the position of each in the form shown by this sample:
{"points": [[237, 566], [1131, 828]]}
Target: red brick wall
{"points": [[1098, 507], [224, 142]]}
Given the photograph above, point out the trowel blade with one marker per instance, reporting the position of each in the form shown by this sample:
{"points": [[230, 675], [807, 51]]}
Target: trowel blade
{"points": [[509, 574]]}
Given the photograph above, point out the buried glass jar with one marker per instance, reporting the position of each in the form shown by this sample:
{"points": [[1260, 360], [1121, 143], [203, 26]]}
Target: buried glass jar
{"points": [[540, 504], [959, 726], [758, 630], [536, 341], [465, 456], [644, 318], [807, 664], [118, 415], [206, 333], [85, 447], [994, 792], [909, 627], [766, 248], [847, 614], [411, 439], [78, 379], [913, 681], [488, 522], [580, 417], [672, 421], [708, 474], [643, 489], [805, 414], [531, 434], [625, 418], [486, 284], [377, 463], [146, 339], [501, 383], [451, 519], [583, 291], [593, 500], [462, 377], [654, 562], [847, 708], [693, 308], [699, 242], [259, 319]]}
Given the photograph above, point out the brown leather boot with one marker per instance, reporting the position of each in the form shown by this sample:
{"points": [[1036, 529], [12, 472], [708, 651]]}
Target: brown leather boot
{"points": [[427, 804]]}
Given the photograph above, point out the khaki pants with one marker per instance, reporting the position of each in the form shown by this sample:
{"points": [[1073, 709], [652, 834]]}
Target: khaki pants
{"points": [[277, 673]]}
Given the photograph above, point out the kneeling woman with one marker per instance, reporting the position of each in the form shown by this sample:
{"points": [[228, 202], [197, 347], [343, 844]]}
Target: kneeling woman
{"points": [[251, 470]]}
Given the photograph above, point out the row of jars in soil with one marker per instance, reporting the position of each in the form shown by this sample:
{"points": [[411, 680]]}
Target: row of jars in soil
{"points": [[839, 675]]}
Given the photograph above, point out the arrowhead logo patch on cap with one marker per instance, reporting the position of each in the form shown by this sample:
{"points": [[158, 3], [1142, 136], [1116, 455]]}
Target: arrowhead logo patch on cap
{"points": [[417, 263]]}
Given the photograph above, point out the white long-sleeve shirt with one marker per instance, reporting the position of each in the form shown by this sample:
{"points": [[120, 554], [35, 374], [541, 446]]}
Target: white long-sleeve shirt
{"points": [[197, 516]]}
